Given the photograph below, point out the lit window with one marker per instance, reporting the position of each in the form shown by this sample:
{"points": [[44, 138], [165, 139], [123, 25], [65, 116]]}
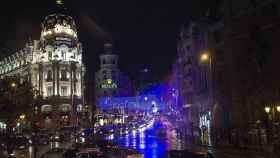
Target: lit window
{"points": [[63, 55], [64, 91], [49, 91], [58, 28], [64, 75], [79, 108]]}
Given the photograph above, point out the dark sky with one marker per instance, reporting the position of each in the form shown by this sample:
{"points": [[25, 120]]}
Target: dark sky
{"points": [[142, 31]]}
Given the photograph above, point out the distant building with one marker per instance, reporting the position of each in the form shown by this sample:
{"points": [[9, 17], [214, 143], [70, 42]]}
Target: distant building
{"points": [[110, 81], [54, 66]]}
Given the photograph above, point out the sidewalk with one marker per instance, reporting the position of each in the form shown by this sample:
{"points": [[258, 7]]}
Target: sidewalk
{"points": [[240, 151]]}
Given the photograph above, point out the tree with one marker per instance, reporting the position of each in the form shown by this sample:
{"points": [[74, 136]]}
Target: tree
{"points": [[15, 99]]}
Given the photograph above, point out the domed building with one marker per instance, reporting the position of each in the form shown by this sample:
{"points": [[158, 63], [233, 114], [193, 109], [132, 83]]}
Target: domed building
{"points": [[54, 67]]}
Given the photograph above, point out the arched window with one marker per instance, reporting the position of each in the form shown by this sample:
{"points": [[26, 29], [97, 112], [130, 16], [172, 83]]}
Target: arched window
{"points": [[64, 75], [49, 75], [63, 55]]}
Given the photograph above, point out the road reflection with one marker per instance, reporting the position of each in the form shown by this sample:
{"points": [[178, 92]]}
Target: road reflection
{"points": [[153, 141]]}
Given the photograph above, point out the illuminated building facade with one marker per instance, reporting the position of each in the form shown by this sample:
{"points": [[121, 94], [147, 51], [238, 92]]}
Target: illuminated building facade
{"points": [[110, 82], [54, 67]]}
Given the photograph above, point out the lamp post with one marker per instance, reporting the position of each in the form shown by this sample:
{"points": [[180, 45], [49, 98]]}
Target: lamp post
{"points": [[206, 58], [272, 111]]}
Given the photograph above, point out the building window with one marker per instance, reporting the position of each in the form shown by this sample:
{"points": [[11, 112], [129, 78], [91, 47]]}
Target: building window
{"points": [[220, 56], [269, 10], [64, 91], [113, 62], [63, 55], [104, 62], [64, 75], [50, 55], [114, 93], [217, 36], [104, 72], [49, 75], [188, 47], [49, 91], [114, 75], [79, 108], [104, 77]]}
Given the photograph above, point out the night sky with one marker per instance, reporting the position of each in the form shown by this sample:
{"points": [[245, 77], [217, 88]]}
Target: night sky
{"points": [[142, 32]]}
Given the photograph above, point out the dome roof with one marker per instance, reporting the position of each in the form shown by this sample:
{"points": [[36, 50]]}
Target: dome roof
{"points": [[59, 27], [52, 20]]}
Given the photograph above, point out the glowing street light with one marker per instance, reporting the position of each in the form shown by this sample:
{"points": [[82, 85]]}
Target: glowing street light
{"points": [[22, 116], [146, 98], [278, 108], [59, 2], [13, 84], [267, 109], [204, 57]]}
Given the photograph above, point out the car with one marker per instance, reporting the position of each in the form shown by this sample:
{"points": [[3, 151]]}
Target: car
{"points": [[56, 137], [54, 152], [70, 153], [21, 142], [189, 153]]}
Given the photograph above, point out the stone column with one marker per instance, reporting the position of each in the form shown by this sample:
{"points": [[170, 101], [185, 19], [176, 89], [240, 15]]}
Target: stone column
{"points": [[53, 78], [40, 73], [57, 78]]}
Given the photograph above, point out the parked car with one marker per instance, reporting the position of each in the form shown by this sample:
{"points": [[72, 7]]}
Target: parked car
{"points": [[21, 142], [189, 153], [55, 152]]}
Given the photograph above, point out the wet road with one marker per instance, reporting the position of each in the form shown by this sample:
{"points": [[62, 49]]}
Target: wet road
{"points": [[153, 141]]}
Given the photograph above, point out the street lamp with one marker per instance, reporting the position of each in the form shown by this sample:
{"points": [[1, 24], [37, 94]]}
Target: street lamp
{"points": [[22, 116], [271, 111], [278, 108], [204, 57], [267, 109], [13, 84]]}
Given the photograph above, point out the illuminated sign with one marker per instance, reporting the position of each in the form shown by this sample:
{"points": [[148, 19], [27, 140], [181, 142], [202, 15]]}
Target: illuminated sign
{"points": [[109, 84]]}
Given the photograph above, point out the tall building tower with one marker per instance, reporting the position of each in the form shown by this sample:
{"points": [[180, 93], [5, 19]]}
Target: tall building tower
{"points": [[54, 67], [107, 78]]}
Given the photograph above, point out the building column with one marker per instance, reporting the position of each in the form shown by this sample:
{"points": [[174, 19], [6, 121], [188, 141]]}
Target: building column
{"points": [[41, 77], [53, 77], [57, 78]]}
